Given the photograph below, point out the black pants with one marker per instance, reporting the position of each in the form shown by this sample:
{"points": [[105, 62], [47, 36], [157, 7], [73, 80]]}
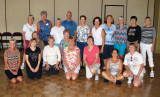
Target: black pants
{"points": [[33, 75], [52, 70], [11, 76]]}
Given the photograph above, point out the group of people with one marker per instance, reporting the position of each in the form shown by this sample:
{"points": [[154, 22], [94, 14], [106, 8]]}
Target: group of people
{"points": [[70, 46]]}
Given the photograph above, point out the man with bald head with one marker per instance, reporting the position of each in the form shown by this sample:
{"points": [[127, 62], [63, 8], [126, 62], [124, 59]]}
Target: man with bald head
{"points": [[70, 24]]}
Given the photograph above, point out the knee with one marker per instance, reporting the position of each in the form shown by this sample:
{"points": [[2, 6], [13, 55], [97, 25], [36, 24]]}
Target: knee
{"points": [[103, 73], [93, 71], [137, 83], [13, 81], [74, 78], [20, 79], [68, 77], [125, 74]]}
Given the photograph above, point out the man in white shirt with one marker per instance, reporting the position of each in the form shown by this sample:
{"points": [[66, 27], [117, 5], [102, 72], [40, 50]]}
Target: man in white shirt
{"points": [[134, 66]]}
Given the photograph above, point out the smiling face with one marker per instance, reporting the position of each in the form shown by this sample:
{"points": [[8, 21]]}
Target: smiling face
{"points": [[115, 54], [109, 19], [35, 36], [69, 15], [121, 21], [148, 21], [96, 22], [12, 44], [33, 43], [71, 42], [66, 35], [133, 21], [43, 16], [132, 48], [82, 20], [90, 41], [51, 42], [58, 23], [30, 20]]}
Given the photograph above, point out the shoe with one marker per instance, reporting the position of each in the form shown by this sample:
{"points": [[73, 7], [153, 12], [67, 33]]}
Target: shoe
{"points": [[22, 66], [152, 74], [130, 80], [99, 71], [96, 77], [43, 64]]}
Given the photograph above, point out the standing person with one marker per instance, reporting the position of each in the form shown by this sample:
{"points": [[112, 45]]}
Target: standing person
{"points": [[28, 29], [70, 24], [40, 43], [82, 35], [134, 33], [33, 60], [57, 32], [110, 30], [133, 62], [44, 28], [91, 59], [121, 37], [12, 63], [51, 57], [71, 60], [114, 67], [147, 43], [64, 43], [98, 34]]}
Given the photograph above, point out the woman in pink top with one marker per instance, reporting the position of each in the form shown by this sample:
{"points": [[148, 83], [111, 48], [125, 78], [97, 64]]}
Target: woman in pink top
{"points": [[71, 60], [91, 59]]}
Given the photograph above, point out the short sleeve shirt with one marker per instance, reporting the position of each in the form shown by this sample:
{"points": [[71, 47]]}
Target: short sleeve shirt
{"points": [[91, 55], [82, 33], [12, 59], [71, 57], [64, 45], [109, 31], [29, 30], [134, 61]]}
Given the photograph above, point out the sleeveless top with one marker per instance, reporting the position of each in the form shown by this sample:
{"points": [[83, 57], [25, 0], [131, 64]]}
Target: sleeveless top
{"points": [[45, 29], [114, 67], [121, 34], [97, 36]]}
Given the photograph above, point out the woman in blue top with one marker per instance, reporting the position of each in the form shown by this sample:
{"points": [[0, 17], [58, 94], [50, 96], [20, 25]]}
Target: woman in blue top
{"points": [[110, 30], [44, 28]]}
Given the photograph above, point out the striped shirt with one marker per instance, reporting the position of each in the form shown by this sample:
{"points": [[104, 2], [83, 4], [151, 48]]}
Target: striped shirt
{"points": [[12, 59], [147, 35]]}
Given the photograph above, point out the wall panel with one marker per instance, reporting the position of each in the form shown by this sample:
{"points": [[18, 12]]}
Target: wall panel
{"points": [[2, 16]]}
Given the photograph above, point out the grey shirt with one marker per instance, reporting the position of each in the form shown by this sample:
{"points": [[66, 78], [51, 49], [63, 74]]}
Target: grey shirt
{"points": [[147, 35]]}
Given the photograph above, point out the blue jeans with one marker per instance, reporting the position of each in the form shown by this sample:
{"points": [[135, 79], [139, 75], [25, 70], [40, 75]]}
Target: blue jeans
{"points": [[81, 46]]}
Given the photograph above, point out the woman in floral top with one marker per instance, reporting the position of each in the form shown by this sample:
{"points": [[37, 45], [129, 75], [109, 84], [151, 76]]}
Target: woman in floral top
{"points": [[71, 60], [82, 35]]}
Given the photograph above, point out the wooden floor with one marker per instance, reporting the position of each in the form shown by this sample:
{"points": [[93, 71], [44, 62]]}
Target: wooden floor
{"points": [[58, 86]]}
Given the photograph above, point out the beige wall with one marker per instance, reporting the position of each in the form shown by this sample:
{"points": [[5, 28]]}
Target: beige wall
{"points": [[2, 16], [18, 10]]}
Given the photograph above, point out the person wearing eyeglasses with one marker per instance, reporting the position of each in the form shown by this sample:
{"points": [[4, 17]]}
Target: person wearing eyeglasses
{"points": [[133, 62]]}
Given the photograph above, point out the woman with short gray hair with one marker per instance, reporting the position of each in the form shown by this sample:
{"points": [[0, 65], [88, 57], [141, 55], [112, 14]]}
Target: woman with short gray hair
{"points": [[44, 27]]}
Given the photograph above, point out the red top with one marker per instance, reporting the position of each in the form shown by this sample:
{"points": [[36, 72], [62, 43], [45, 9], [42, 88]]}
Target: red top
{"points": [[91, 55]]}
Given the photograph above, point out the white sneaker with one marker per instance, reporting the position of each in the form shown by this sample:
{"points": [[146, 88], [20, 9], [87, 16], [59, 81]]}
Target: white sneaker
{"points": [[96, 77], [130, 80], [22, 66], [99, 71], [152, 74]]}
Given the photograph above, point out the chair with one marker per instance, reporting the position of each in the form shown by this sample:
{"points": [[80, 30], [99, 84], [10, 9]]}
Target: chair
{"points": [[6, 36], [19, 39]]}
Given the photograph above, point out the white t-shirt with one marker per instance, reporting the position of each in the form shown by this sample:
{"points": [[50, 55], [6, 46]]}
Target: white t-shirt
{"points": [[29, 30], [51, 55], [133, 62], [57, 33]]}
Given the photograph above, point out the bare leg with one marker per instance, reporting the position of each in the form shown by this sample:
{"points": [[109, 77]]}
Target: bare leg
{"points": [[68, 76]]}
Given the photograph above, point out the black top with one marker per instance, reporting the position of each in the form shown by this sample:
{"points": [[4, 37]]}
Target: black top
{"points": [[134, 34], [33, 56]]}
